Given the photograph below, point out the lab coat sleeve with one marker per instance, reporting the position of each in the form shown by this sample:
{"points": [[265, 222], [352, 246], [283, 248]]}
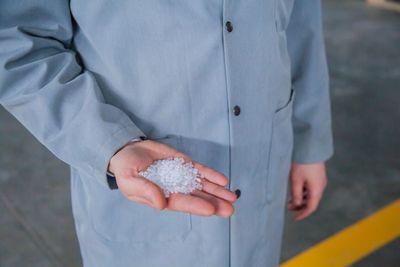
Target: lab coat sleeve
{"points": [[43, 85], [310, 80]]}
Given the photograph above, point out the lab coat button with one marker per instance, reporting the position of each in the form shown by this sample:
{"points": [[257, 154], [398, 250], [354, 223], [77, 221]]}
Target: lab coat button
{"points": [[236, 110], [229, 26], [237, 192]]}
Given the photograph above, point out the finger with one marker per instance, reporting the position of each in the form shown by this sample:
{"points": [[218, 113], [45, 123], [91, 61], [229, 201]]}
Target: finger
{"points": [[223, 207], [297, 191], [211, 174], [218, 191], [305, 194], [190, 204], [140, 189], [293, 207], [312, 202], [140, 200]]}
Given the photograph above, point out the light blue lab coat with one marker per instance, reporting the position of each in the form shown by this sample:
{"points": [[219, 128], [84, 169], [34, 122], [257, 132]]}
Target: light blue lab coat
{"points": [[84, 77]]}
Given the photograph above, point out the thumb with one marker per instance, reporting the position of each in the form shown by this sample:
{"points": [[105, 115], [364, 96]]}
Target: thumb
{"points": [[142, 190]]}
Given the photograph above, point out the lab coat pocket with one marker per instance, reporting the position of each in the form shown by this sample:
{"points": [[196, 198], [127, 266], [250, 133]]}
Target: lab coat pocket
{"points": [[118, 219], [280, 150]]}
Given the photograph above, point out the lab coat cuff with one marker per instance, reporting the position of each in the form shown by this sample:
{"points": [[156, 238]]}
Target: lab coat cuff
{"points": [[315, 152]]}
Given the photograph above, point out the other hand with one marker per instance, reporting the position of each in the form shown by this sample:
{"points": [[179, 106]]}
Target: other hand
{"points": [[308, 182]]}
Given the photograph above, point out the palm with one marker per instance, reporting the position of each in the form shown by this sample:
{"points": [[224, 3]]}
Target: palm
{"points": [[213, 199]]}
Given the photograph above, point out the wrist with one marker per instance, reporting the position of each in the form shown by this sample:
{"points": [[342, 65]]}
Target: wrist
{"points": [[110, 172]]}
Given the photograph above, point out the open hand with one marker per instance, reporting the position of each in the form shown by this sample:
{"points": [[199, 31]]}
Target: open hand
{"points": [[308, 182], [213, 199]]}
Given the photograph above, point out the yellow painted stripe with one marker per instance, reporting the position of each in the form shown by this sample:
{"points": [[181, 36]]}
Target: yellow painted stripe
{"points": [[354, 242]]}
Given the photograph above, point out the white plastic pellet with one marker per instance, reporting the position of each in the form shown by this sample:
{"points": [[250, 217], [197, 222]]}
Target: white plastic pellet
{"points": [[172, 175]]}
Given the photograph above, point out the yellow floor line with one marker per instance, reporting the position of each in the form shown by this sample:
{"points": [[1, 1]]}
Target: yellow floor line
{"points": [[354, 242]]}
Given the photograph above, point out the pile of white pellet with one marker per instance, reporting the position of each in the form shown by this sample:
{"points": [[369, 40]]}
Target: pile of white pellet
{"points": [[172, 175]]}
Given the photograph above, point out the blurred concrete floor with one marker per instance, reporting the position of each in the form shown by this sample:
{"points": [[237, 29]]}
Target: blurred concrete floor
{"points": [[36, 226]]}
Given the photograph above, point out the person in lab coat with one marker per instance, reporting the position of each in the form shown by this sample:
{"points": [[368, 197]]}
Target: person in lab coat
{"points": [[238, 87]]}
